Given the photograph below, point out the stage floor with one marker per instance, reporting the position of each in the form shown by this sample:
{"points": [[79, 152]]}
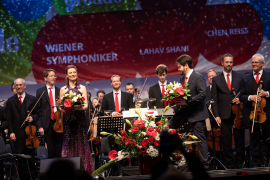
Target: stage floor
{"points": [[232, 174]]}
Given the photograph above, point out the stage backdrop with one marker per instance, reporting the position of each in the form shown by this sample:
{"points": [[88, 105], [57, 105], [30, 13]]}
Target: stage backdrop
{"points": [[126, 37]]}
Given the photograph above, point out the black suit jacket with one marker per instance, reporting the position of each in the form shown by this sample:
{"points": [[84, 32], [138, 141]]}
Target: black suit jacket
{"points": [[195, 109], [14, 119], [155, 92], [126, 101], [247, 90], [222, 96], [45, 107]]}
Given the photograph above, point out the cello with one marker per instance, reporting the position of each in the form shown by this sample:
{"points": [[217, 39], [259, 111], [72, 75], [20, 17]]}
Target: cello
{"points": [[238, 111]]}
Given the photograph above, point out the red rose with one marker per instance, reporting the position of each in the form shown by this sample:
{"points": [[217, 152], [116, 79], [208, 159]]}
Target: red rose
{"points": [[128, 159], [142, 126], [127, 142], [177, 150], [156, 143], [157, 129], [145, 142], [178, 158], [59, 101], [78, 101], [138, 122], [124, 137], [83, 98], [133, 143], [150, 139], [143, 149], [150, 116], [180, 91], [150, 129], [113, 154], [67, 103], [135, 129], [158, 123], [173, 131], [123, 132], [183, 86]]}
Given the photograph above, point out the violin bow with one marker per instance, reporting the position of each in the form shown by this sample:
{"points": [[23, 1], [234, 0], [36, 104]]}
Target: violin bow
{"points": [[255, 108], [143, 87], [32, 109], [89, 128]]}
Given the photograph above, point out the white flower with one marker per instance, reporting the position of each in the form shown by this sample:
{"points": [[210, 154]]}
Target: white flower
{"points": [[75, 99], [171, 91], [152, 124], [157, 137], [79, 96], [143, 133], [151, 151], [74, 94]]}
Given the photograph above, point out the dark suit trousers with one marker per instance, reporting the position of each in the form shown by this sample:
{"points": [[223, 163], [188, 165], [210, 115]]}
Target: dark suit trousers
{"points": [[54, 141], [255, 142], [199, 131], [239, 139]]}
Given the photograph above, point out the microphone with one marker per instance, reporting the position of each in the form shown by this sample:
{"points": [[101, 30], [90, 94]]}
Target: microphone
{"points": [[87, 83]]}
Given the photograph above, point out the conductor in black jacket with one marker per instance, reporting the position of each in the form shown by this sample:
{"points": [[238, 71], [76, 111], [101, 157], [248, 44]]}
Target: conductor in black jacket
{"points": [[17, 107], [195, 109], [249, 86], [46, 121], [222, 110], [158, 90], [117, 100]]}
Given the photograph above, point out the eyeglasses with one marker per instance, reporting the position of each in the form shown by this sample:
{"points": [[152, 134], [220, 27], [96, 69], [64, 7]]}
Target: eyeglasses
{"points": [[52, 76]]}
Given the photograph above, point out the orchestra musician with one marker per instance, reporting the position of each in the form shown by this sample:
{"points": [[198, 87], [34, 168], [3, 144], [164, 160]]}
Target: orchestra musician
{"points": [[117, 99], [17, 107], [195, 110], [100, 95], [46, 121], [210, 74], [158, 90], [222, 110], [135, 93], [249, 86]]}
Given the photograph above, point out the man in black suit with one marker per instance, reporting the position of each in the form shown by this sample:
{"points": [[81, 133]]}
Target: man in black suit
{"points": [[46, 121], [117, 100], [222, 110], [158, 90], [194, 109], [17, 107], [210, 74], [249, 86]]}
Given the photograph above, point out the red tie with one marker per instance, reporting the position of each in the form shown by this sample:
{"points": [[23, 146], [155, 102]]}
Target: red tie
{"points": [[20, 99], [51, 102], [163, 92], [228, 81], [116, 103], [185, 80], [257, 77]]}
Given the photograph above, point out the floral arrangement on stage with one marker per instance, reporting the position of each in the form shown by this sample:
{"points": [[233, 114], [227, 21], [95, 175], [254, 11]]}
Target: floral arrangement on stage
{"points": [[69, 101], [143, 139], [176, 91]]}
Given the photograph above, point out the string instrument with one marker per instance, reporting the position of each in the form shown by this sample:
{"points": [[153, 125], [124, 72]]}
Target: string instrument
{"points": [[192, 147], [238, 111], [31, 141], [258, 114], [59, 119]]}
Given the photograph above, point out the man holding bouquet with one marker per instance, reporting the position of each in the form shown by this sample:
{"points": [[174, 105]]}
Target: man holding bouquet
{"points": [[193, 109]]}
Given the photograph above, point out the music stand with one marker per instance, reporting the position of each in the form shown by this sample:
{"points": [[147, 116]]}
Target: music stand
{"points": [[213, 138], [110, 124]]}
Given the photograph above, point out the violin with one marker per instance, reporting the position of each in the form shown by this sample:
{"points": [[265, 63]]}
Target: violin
{"points": [[59, 118], [31, 141], [258, 114], [238, 111]]}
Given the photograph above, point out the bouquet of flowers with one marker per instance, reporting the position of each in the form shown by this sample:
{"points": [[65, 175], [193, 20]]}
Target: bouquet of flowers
{"points": [[69, 101], [176, 91], [143, 139]]}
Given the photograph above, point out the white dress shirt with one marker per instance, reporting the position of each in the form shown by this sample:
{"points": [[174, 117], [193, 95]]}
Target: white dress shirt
{"points": [[160, 85], [119, 98], [23, 96], [230, 77], [188, 75], [53, 93]]}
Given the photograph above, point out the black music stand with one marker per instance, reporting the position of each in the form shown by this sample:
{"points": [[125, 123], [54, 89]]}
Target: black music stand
{"points": [[213, 138], [110, 124]]}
